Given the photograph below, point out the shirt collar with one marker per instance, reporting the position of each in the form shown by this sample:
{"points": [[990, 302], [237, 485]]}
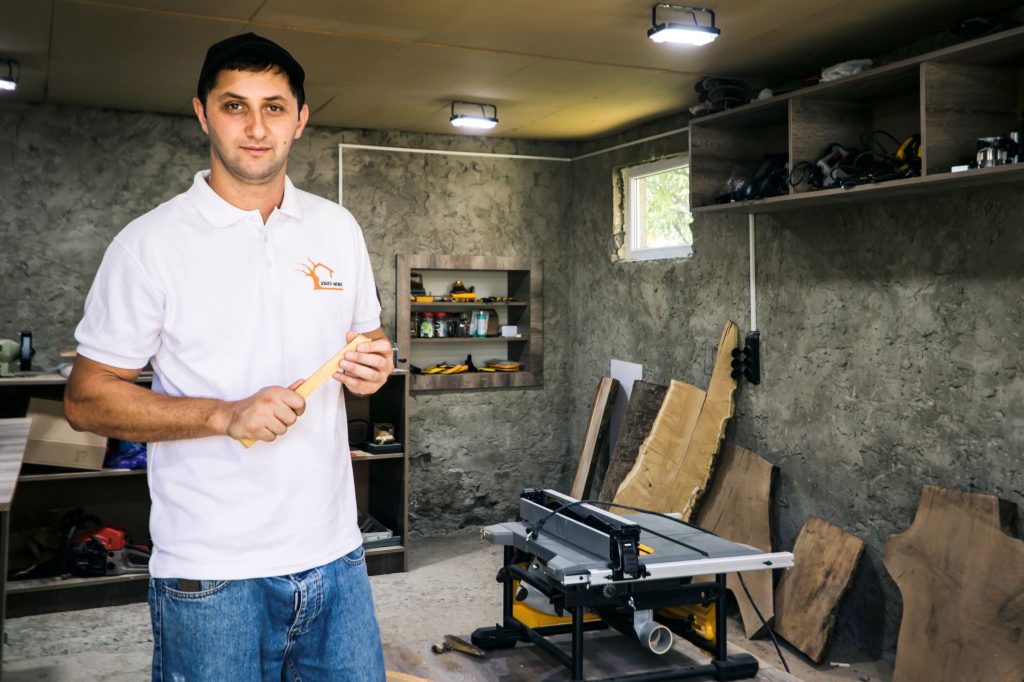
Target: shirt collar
{"points": [[219, 213]]}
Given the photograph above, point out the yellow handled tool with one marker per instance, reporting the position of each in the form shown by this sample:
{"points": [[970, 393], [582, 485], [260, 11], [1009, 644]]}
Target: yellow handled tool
{"points": [[319, 377]]}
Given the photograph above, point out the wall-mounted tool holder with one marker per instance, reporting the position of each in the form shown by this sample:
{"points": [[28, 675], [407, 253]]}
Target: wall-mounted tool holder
{"points": [[746, 361]]}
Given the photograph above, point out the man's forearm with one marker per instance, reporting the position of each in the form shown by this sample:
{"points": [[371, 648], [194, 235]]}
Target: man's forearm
{"points": [[111, 406]]}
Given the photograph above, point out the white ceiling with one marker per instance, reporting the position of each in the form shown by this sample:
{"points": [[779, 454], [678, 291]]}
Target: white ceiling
{"points": [[555, 69]]}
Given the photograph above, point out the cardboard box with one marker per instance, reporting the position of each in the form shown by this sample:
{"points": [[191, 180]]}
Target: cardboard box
{"points": [[51, 440]]}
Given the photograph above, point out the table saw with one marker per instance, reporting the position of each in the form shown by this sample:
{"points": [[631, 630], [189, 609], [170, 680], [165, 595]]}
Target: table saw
{"points": [[628, 569]]}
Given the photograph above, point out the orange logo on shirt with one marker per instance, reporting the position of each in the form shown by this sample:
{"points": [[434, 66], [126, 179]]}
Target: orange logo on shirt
{"points": [[319, 282]]}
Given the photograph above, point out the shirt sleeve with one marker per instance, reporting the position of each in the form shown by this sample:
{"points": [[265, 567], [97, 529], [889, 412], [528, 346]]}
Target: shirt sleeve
{"points": [[366, 315], [123, 313]]}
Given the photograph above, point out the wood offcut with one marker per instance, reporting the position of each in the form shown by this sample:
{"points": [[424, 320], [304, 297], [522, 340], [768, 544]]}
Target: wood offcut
{"points": [[738, 508], [675, 463], [644, 402], [595, 441], [808, 596], [960, 569]]}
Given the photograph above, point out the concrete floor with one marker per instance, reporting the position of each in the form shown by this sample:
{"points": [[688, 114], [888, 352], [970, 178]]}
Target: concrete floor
{"points": [[450, 588]]}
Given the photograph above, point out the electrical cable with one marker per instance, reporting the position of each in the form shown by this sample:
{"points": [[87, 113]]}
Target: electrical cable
{"points": [[535, 531], [771, 633]]}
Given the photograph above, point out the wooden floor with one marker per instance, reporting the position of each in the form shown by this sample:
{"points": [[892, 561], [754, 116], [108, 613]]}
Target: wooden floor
{"points": [[606, 653]]}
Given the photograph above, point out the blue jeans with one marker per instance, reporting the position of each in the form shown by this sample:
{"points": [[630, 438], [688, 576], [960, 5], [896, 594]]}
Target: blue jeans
{"points": [[314, 626]]}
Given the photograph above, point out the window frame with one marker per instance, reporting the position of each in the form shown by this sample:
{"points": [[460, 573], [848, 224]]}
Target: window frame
{"points": [[630, 177]]}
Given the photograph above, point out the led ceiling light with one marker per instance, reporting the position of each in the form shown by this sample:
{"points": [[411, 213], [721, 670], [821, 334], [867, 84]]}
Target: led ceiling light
{"points": [[683, 33], [10, 81], [474, 115]]}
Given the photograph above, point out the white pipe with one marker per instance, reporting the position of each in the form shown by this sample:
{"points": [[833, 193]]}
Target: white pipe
{"points": [[753, 278], [415, 150], [630, 144]]}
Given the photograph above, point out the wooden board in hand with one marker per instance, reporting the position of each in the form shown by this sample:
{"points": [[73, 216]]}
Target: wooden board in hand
{"points": [[808, 596], [960, 569], [319, 377]]}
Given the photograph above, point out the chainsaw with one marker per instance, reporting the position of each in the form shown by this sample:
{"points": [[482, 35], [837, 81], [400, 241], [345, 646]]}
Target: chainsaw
{"points": [[102, 550]]}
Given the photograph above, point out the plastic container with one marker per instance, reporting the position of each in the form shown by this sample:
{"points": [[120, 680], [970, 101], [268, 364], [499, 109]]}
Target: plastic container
{"points": [[465, 325], [427, 326], [480, 326], [440, 325]]}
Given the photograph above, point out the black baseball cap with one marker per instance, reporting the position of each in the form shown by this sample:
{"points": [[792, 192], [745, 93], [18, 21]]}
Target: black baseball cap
{"points": [[249, 52]]}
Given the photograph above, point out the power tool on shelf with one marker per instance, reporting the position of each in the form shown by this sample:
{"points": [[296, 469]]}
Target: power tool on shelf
{"points": [[92, 548]]}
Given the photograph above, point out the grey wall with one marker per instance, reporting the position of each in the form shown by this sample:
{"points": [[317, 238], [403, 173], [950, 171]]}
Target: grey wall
{"points": [[891, 340], [71, 178]]}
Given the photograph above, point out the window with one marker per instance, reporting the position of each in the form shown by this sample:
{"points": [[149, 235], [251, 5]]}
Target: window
{"points": [[657, 210]]}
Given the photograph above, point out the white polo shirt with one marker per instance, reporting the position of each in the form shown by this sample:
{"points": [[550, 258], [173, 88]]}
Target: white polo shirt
{"points": [[223, 306]]}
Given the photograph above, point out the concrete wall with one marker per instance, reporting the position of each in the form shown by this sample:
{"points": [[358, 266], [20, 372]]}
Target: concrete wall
{"points": [[891, 341], [71, 178]]}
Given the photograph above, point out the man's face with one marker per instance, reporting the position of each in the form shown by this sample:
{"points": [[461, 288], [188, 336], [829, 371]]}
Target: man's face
{"points": [[252, 120]]}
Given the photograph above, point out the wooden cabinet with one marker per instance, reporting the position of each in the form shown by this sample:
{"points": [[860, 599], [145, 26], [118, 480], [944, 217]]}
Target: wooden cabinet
{"points": [[121, 498], [518, 279], [950, 97]]}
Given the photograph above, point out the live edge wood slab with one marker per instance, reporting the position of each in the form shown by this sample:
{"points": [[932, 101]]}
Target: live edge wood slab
{"points": [[738, 508], [960, 569], [675, 463], [808, 596]]}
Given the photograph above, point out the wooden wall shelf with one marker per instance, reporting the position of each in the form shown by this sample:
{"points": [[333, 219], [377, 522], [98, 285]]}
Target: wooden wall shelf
{"points": [[517, 278], [950, 97]]}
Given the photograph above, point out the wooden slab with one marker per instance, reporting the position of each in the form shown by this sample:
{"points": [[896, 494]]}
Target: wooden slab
{"points": [[596, 437], [808, 596], [644, 403], [960, 569], [675, 462], [662, 453], [738, 508]]}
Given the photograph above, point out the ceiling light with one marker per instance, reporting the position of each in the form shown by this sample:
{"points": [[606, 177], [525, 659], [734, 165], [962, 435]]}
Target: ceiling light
{"points": [[474, 115], [10, 81], [683, 33]]}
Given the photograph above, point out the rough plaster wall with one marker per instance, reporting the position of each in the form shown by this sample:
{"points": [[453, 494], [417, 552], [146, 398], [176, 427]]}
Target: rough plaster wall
{"points": [[71, 178], [891, 341], [473, 451]]}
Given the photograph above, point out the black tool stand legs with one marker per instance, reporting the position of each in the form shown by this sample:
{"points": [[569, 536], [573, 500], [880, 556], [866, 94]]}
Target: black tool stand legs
{"points": [[576, 601]]}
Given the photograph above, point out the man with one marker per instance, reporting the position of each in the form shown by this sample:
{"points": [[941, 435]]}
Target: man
{"points": [[233, 289]]}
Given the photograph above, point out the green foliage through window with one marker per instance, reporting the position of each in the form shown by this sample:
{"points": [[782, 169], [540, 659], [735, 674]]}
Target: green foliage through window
{"points": [[662, 212]]}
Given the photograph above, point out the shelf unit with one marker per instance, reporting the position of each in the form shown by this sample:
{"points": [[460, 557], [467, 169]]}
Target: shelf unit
{"points": [[121, 498], [951, 97], [516, 278]]}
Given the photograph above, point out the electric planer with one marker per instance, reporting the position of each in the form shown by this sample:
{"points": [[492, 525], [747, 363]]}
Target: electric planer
{"points": [[586, 561]]}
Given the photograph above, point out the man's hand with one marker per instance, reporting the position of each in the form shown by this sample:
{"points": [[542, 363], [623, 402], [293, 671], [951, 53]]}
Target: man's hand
{"points": [[264, 415], [365, 369]]}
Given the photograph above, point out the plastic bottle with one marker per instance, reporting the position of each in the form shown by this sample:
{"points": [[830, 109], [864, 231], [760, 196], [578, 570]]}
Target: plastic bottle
{"points": [[480, 328]]}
